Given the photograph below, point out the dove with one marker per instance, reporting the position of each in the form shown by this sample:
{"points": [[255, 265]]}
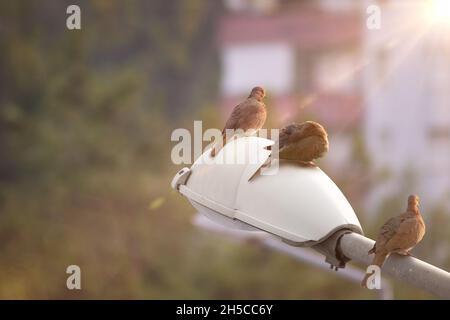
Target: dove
{"points": [[398, 235], [250, 114], [300, 143], [303, 142]]}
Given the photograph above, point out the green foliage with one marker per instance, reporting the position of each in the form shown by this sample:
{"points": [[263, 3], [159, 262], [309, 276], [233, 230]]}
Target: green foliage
{"points": [[85, 118]]}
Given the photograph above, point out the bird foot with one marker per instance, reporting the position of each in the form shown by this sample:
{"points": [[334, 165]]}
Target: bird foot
{"points": [[405, 253], [307, 164]]}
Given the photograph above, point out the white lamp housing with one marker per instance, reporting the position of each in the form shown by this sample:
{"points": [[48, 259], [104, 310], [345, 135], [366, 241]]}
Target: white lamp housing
{"points": [[301, 205]]}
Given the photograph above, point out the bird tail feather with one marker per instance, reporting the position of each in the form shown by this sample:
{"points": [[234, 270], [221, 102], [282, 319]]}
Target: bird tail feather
{"points": [[213, 151], [378, 260], [364, 280], [216, 148]]}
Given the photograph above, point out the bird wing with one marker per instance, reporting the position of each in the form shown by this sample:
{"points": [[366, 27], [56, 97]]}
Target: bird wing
{"points": [[304, 142], [387, 231], [409, 233], [283, 138], [306, 149], [292, 150], [249, 114], [407, 224]]}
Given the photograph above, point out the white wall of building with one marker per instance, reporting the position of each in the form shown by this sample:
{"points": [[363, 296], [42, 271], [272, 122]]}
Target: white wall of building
{"points": [[247, 65]]}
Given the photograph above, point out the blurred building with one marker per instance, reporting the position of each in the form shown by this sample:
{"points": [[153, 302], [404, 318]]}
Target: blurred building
{"points": [[318, 60], [407, 119], [305, 53]]}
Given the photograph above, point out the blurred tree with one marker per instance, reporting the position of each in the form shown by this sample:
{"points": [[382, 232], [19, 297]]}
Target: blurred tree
{"points": [[85, 121], [63, 92]]}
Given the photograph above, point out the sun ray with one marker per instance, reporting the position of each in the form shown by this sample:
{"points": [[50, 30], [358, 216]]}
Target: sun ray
{"points": [[438, 11]]}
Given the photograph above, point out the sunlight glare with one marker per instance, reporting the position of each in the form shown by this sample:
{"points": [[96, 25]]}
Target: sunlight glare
{"points": [[439, 11]]}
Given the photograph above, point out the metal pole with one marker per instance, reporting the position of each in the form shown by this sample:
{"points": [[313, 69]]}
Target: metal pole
{"points": [[354, 247], [407, 269], [315, 259], [305, 255]]}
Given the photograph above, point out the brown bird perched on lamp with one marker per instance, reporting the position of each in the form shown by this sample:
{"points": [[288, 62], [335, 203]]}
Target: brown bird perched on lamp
{"points": [[301, 143], [398, 235], [250, 114]]}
